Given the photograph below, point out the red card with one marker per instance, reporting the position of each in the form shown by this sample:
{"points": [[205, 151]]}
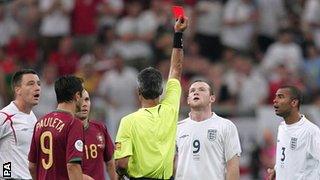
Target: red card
{"points": [[177, 11]]}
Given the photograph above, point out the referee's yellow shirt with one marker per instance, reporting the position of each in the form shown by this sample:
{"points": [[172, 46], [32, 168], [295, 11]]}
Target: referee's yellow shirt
{"points": [[148, 136]]}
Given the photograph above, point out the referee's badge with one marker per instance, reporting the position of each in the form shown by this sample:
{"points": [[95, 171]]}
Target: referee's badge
{"points": [[293, 143], [212, 134], [118, 146]]}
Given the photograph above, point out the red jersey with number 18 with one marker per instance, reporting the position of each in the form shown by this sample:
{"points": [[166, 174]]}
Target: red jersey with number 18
{"points": [[98, 150], [57, 140]]}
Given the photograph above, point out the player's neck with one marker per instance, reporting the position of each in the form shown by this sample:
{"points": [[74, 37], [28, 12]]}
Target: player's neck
{"points": [[292, 118], [147, 103], [200, 115], [23, 106], [68, 107], [85, 123]]}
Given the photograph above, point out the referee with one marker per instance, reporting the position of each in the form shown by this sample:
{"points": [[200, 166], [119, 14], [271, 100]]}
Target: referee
{"points": [[145, 143]]}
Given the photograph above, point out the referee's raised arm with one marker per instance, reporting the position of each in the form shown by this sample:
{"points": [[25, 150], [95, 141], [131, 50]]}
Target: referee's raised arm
{"points": [[177, 51]]}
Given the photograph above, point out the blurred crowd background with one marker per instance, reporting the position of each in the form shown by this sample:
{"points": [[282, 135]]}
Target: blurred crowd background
{"points": [[247, 48]]}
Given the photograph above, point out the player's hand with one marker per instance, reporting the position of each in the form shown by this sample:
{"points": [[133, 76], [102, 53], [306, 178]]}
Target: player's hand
{"points": [[271, 174], [86, 177], [181, 24]]}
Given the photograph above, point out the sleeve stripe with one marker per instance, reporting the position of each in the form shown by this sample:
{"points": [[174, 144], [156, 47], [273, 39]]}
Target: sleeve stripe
{"points": [[75, 160]]}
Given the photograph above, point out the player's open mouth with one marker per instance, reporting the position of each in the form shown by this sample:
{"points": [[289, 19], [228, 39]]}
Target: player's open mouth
{"points": [[196, 98], [84, 111], [36, 95]]}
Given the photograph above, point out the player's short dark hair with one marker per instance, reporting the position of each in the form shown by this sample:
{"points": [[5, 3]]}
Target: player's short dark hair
{"points": [[66, 87], [210, 84], [295, 93], [17, 77], [150, 83]]}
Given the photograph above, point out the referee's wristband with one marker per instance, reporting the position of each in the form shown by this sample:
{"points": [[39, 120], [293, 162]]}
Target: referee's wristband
{"points": [[177, 40]]}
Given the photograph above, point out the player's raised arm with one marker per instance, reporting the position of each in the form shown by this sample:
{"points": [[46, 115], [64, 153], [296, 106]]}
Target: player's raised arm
{"points": [[177, 51]]}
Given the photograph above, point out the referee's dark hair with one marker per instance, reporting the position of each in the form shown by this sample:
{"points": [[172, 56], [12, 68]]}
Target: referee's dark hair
{"points": [[295, 93], [150, 83]]}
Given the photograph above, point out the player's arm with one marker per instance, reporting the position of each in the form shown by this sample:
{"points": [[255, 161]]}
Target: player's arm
{"points": [[33, 170], [232, 151], [121, 166], [32, 157], [111, 169], [233, 168], [74, 171], [177, 51], [74, 150], [271, 173]]}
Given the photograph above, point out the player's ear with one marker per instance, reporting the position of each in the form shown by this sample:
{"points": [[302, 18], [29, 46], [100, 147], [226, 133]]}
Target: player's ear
{"points": [[17, 90], [212, 98], [77, 96], [294, 102]]}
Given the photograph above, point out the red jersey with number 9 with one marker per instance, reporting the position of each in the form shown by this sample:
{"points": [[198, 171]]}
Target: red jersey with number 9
{"points": [[57, 140]]}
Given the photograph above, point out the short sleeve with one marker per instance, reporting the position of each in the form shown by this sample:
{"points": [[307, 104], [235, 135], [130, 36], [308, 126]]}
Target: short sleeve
{"points": [[232, 143], [109, 148], [32, 157], [74, 150], [3, 125], [123, 140], [314, 144], [172, 93]]}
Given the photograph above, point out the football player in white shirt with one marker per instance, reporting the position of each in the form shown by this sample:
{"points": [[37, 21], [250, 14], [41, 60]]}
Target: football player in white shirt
{"points": [[298, 144], [208, 146], [16, 125]]}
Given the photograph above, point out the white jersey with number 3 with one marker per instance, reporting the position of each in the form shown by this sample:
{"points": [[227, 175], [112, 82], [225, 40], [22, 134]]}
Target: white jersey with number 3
{"points": [[203, 148], [298, 151], [16, 129]]}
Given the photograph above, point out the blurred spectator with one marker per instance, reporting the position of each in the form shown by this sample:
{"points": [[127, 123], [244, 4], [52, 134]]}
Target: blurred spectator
{"points": [[118, 87], [134, 51], [8, 66], [88, 72], [84, 23], [311, 68], [162, 47], [246, 84], [271, 17], [27, 15], [267, 153], [24, 49], [149, 21], [311, 19], [207, 19], [283, 76], [107, 39], [55, 22], [111, 12], [216, 76], [48, 98], [283, 51], [239, 20], [66, 59], [3, 90], [8, 27]]}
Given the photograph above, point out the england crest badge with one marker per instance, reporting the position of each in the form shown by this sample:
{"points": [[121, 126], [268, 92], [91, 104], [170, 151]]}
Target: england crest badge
{"points": [[293, 143], [212, 134]]}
